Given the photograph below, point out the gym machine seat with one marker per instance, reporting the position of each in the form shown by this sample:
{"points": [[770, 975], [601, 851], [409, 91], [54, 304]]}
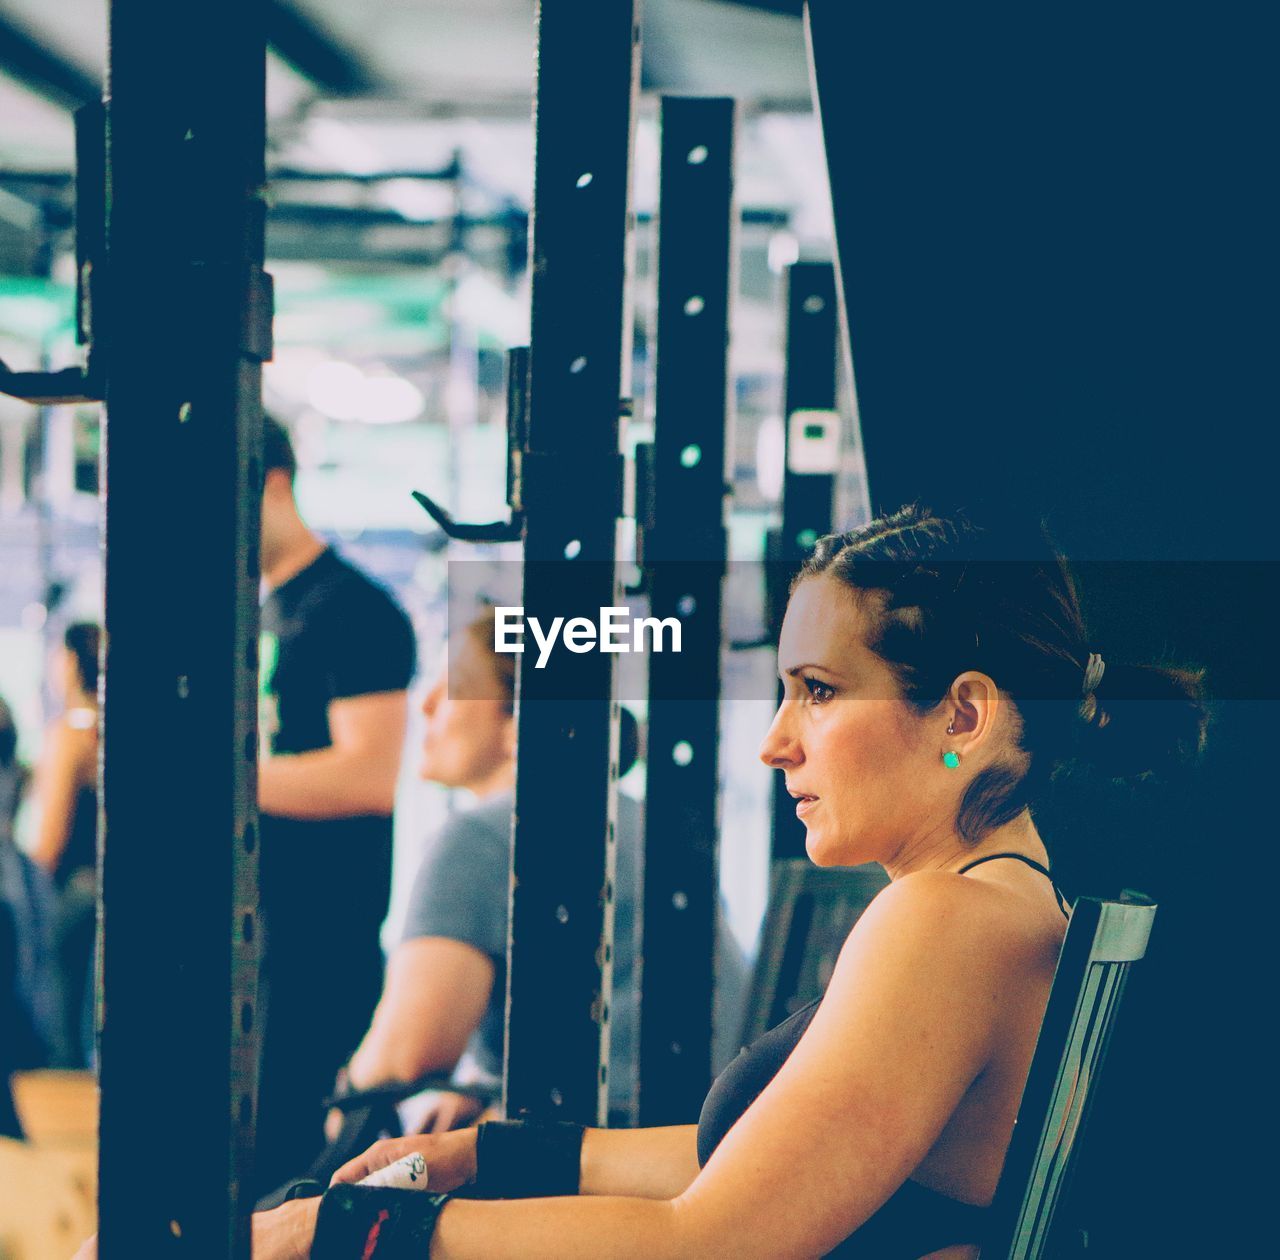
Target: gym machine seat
{"points": [[1104, 939]]}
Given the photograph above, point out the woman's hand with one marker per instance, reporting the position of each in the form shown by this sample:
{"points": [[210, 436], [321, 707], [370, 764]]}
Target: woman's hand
{"points": [[450, 1157], [287, 1232]]}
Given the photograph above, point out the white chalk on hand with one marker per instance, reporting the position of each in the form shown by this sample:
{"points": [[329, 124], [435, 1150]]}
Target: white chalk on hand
{"points": [[409, 1172]]}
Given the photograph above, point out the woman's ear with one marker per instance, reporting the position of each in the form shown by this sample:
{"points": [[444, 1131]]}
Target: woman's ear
{"points": [[972, 705]]}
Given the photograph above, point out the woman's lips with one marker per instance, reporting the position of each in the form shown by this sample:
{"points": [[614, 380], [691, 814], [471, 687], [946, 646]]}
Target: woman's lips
{"points": [[804, 804]]}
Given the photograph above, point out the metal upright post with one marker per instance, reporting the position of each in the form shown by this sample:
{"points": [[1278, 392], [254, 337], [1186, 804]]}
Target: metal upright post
{"points": [[685, 549], [184, 320], [571, 484], [812, 465]]}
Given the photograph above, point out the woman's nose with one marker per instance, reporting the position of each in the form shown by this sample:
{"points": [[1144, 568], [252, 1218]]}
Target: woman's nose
{"points": [[779, 748]]}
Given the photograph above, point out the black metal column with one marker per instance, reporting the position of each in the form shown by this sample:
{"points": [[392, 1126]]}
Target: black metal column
{"points": [[184, 321], [812, 465], [571, 480], [685, 550]]}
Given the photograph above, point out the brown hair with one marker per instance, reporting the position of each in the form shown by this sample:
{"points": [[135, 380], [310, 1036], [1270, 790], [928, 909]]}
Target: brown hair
{"points": [[940, 602]]}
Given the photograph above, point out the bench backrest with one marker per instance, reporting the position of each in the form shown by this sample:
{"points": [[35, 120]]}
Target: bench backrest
{"points": [[1103, 940]]}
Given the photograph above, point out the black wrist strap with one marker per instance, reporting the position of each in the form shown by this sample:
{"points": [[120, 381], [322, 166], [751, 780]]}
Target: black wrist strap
{"points": [[527, 1159], [375, 1223]]}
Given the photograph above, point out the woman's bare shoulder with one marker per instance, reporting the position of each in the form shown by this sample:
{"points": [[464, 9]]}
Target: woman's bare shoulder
{"points": [[948, 916]]}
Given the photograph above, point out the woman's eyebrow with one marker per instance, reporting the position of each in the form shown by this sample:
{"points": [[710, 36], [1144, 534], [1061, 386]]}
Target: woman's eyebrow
{"points": [[796, 670]]}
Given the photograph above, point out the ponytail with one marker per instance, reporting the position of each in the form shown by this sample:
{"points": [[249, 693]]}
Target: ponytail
{"points": [[1143, 719]]}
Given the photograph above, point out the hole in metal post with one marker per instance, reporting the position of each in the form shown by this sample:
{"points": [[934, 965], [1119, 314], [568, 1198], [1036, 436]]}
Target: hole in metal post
{"points": [[184, 413], [680, 900], [246, 1017], [250, 838], [694, 306], [572, 549], [691, 456], [697, 155], [682, 753], [557, 1098], [246, 929], [686, 605], [562, 914], [578, 364], [813, 304], [584, 179]]}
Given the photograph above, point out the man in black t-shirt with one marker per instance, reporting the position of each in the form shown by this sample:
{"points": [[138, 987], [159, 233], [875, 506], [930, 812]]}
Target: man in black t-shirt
{"points": [[337, 654]]}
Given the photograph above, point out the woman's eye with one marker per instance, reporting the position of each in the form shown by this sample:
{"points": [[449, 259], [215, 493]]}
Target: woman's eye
{"points": [[820, 692]]}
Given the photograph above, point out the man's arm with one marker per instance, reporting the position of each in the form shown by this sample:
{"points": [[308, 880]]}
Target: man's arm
{"points": [[434, 997], [355, 775]]}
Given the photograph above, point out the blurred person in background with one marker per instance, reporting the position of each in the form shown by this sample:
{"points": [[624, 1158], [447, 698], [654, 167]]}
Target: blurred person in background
{"points": [[26, 1006], [66, 837], [336, 658], [443, 1002]]}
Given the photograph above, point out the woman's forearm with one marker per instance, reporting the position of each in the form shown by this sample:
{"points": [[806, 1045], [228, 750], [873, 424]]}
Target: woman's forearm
{"points": [[560, 1229], [639, 1163]]}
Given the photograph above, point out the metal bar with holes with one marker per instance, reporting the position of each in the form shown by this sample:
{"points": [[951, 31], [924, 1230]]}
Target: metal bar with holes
{"points": [[812, 463], [571, 489], [183, 326], [685, 551]]}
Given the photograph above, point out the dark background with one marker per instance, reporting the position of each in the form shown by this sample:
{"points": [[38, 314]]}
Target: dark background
{"points": [[1057, 242]]}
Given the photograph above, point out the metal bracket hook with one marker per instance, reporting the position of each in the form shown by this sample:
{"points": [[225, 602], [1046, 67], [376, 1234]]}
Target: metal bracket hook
{"points": [[493, 532], [43, 389]]}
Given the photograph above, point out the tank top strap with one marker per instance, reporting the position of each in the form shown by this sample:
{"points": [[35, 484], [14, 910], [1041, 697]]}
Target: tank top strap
{"points": [[1031, 862]]}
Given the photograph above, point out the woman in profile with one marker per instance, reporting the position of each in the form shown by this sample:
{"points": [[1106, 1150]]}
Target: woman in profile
{"points": [[929, 692], [66, 800]]}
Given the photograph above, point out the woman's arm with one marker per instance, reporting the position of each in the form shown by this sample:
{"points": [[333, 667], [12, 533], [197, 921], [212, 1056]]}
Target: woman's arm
{"points": [[640, 1163], [911, 1017], [58, 777], [909, 1021]]}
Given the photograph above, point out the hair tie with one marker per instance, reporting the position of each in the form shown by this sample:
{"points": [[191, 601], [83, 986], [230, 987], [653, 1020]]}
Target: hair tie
{"points": [[1093, 672]]}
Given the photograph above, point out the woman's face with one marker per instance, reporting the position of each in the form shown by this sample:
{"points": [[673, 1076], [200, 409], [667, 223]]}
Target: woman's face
{"points": [[470, 735], [864, 767]]}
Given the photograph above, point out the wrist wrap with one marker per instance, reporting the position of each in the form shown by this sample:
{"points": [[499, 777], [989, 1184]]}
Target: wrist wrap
{"points": [[527, 1159], [375, 1223]]}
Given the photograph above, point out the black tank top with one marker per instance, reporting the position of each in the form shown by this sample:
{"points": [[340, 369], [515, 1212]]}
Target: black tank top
{"points": [[914, 1220]]}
